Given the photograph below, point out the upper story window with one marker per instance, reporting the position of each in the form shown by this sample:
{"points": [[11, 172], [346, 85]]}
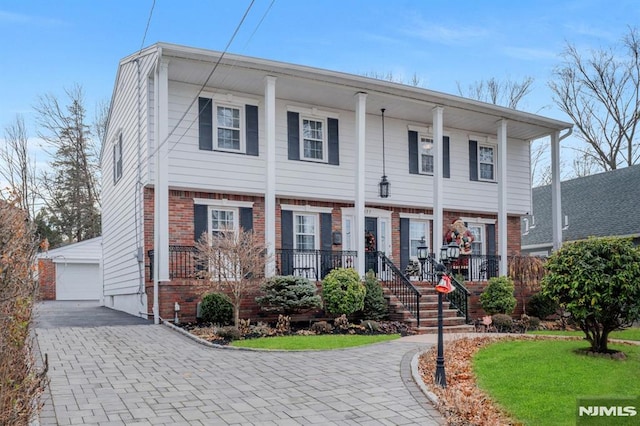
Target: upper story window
{"points": [[313, 140], [228, 127], [228, 124], [426, 155], [486, 162], [421, 153], [117, 159], [482, 161]]}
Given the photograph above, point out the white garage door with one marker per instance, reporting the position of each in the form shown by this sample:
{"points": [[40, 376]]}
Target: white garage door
{"points": [[78, 281]]}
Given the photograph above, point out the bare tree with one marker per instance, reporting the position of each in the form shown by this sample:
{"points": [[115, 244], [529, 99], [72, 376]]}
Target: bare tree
{"points": [[507, 93], [415, 79], [526, 273], [233, 263], [71, 192], [601, 93], [17, 166]]}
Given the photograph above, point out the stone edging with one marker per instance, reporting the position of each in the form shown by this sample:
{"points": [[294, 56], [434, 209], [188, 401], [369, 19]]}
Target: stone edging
{"points": [[417, 378]]}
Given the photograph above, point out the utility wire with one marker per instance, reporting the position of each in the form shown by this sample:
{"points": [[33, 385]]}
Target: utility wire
{"points": [[213, 70], [144, 37]]}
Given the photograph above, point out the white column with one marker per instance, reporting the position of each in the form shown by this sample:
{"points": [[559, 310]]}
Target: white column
{"points": [[502, 197], [556, 199], [161, 186], [438, 215], [361, 117], [270, 187]]}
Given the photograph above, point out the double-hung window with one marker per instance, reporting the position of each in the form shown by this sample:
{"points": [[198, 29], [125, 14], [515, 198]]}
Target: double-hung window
{"points": [[426, 155], [486, 162], [224, 265], [305, 231], [313, 139], [418, 236], [228, 119]]}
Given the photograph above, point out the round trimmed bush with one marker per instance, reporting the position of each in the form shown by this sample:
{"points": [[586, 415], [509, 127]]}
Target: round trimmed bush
{"points": [[216, 308], [289, 295], [497, 297], [542, 306], [342, 291]]}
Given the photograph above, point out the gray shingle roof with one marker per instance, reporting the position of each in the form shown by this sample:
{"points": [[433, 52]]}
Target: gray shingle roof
{"points": [[605, 204]]}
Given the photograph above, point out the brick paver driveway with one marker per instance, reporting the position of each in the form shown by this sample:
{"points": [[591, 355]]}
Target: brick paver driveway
{"points": [[142, 374]]}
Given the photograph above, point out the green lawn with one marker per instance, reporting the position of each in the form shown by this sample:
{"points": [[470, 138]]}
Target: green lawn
{"points": [[628, 334], [538, 381], [322, 342]]}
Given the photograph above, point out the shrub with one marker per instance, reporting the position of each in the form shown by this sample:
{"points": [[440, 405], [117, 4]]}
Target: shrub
{"points": [[542, 306], [289, 295], [497, 297], [503, 323], [598, 282], [322, 327], [342, 291], [375, 305], [228, 333], [534, 323], [216, 308]]}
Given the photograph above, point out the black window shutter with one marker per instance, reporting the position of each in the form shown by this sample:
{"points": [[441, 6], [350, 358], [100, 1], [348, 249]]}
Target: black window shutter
{"points": [[491, 239], [404, 243], [473, 160], [286, 230], [334, 145], [205, 120], [200, 220], [325, 231], [413, 152], [446, 170], [251, 121], [293, 131], [246, 218]]}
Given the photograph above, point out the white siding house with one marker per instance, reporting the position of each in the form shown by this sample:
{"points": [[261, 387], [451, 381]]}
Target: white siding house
{"points": [[266, 144]]}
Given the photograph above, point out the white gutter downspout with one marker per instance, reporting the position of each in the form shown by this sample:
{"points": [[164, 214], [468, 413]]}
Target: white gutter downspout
{"points": [[161, 189], [556, 199]]}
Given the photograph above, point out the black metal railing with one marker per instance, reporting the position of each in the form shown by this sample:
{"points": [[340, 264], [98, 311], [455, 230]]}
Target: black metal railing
{"points": [[459, 297], [476, 267], [182, 262], [313, 264], [399, 285]]}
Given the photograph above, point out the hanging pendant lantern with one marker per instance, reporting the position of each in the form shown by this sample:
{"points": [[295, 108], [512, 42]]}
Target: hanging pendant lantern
{"points": [[384, 184]]}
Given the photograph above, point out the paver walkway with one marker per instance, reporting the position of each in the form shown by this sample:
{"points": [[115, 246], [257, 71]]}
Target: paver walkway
{"points": [[151, 375]]}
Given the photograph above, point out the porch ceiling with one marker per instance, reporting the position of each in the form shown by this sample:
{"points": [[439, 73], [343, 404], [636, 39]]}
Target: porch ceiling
{"points": [[334, 90]]}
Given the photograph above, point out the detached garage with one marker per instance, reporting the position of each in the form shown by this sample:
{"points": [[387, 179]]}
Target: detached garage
{"points": [[72, 272]]}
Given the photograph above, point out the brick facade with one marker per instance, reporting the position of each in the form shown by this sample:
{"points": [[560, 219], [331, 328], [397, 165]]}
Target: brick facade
{"points": [[181, 232], [46, 279]]}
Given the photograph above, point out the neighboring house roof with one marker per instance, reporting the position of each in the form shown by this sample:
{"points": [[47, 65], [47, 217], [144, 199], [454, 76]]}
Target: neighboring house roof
{"points": [[605, 204], [87, 251]]}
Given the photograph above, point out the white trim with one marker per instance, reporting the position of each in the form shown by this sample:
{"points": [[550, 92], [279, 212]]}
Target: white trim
{"points": [[242, 127], [306, 208], [222, 203], [380, 213], [480, 220], [481, 139], [65, 260], [313, 112], [416, 216], [537, 246], [230, 98], [496, 168]]}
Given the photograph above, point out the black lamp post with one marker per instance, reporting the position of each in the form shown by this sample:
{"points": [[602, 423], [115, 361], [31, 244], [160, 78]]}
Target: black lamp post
{"points": [[423, 255], [448, 253], [384, 184]]}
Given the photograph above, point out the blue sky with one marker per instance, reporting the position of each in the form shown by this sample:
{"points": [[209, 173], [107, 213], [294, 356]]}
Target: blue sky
{"points": [[52, 45]]}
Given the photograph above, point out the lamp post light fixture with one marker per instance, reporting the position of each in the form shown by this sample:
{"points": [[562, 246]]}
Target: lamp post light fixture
{"points": [[383, 186], [423, 255], [448, 253]]}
